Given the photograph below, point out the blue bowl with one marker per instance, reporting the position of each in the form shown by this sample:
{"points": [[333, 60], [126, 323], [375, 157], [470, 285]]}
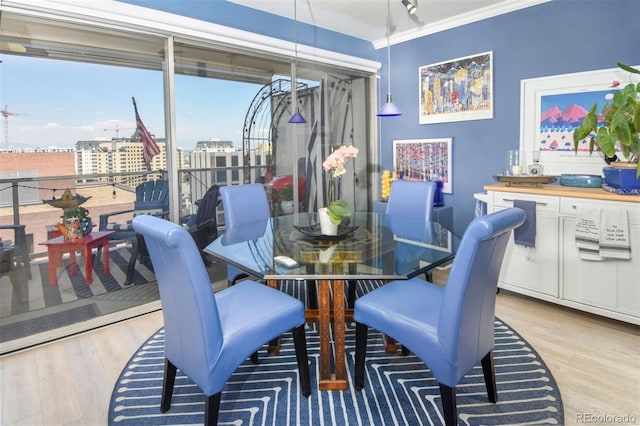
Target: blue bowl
{"points": [[583, 181]]}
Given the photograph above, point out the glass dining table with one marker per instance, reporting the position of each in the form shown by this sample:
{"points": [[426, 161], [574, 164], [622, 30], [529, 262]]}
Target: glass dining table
{"points": [[369, 246]]}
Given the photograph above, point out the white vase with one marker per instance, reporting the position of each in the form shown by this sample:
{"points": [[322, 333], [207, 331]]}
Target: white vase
{"points": [[286, 206], [326, 226]]}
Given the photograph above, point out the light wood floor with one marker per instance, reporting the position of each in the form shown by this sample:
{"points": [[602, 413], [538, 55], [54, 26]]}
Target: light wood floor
{"points": [[595, 361]]}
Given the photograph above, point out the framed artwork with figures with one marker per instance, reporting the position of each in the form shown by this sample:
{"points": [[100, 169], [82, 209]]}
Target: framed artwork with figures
{"points": [[457, 89]]}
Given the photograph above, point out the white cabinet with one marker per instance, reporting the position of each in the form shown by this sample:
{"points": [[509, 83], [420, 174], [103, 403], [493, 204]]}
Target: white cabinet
{"points": [[610, 287], [554, 271], [532, 269]]}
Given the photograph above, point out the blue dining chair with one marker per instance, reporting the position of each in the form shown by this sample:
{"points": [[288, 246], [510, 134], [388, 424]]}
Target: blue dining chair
{"points": [[408, 198], [449, 328], [242, 204], [207, 335], [411, 198]]}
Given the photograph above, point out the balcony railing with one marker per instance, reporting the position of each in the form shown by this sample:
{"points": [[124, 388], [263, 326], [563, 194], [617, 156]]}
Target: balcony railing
{"points": [[23, 321]]}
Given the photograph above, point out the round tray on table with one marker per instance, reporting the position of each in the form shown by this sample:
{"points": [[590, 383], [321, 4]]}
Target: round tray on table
{"points": [[525, 179]]}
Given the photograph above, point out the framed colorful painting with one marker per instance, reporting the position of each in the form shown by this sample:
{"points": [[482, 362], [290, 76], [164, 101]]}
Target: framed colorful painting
{"points": [[424, 159], [551, 107], [456, 90]]}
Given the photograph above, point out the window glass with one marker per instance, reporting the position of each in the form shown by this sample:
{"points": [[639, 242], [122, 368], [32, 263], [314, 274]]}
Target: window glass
{"points": [[68, 88]]}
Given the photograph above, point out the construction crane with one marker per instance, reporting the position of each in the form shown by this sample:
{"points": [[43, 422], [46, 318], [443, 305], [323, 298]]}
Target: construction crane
{"points": [[117, 129], [5, 114]]}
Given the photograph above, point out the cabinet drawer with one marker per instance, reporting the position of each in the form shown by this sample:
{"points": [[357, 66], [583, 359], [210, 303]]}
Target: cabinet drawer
{"points": [[544, 204], [569, 206]]}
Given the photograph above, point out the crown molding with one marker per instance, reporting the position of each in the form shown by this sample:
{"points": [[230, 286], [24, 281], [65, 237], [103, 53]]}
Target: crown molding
{"points": [[460, 20]]}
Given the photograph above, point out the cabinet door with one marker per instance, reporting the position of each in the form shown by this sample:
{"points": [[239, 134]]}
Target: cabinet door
{"points": [[612, 284], [534, 269]]}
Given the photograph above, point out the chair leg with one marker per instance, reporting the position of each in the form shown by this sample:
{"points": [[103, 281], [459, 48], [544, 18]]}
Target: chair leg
{"points": [[352, 286], [300, 343], [131, 267], [449, 408], [351, 296], [312, 294], [212, 409], [361, 352], [489, 371], [167, 385], [19, 282]]}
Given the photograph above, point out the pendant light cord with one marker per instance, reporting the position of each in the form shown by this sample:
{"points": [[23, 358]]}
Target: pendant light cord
{"points": [[295, 29], [296, 118], [388, 47]]}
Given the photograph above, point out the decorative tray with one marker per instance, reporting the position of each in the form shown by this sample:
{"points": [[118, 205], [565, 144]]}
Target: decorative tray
{"points": [[525, 179], [313, 231]]}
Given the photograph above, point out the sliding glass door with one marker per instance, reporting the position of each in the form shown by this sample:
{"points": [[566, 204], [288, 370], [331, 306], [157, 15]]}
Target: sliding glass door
{"points": [[219, 112]]}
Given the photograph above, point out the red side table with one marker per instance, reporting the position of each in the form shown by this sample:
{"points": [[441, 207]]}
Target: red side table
{"points": [[56, 247]]}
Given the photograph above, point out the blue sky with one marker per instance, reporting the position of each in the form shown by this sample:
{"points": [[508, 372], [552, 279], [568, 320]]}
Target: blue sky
{"points": [[61, 102]]}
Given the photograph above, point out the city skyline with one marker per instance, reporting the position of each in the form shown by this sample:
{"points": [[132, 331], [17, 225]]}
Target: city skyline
{"points": [[58, 103]]}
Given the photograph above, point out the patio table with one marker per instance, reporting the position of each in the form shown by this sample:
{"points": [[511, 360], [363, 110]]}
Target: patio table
{"points": [[56, 247]]}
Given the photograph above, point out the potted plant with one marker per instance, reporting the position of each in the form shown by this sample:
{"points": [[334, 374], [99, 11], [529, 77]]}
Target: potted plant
{"points": [[286, 199], [76, 222], [616, 127], [331, 216]]}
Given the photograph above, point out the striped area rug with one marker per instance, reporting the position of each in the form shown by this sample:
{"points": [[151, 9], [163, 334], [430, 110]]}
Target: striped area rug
{"points": [[399, 389], [40, 294]]}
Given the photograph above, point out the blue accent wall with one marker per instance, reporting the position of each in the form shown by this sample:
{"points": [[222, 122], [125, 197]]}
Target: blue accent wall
{"points": [[563, 36], [233, 15]]}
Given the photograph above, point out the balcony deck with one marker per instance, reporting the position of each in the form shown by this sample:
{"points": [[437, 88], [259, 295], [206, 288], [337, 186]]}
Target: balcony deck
{"points": [[72, 306]]}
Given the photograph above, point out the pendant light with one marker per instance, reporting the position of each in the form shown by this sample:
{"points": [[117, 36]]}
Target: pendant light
{"points": [[296, 118], [389, 109]]}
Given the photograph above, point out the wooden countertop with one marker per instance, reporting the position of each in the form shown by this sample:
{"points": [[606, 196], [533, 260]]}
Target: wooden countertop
{"points": [[564, 191]]}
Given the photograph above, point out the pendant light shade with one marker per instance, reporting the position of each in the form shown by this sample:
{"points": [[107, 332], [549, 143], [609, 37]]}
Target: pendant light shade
{"points": [[389, 109], [296, 118]]}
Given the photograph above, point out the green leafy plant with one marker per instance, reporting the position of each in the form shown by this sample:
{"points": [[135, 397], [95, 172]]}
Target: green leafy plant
{"points": [[616, 125], [286, 194], [79, 212]]}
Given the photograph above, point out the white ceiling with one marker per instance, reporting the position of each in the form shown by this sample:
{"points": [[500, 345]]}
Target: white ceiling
{"points": [[367, 19]]}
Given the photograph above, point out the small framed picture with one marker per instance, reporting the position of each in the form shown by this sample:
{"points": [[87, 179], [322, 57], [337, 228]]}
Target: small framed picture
{"points": [[424, 159]]}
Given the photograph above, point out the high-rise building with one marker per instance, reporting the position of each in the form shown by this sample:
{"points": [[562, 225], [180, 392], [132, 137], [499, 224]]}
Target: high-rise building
{"points": [[118, 155]]}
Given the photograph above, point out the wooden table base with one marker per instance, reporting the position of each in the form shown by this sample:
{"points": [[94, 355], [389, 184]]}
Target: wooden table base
{"points": [[336, 379]]}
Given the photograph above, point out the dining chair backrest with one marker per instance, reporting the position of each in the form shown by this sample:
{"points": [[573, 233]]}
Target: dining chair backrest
{"points": [[466, 324], [410, 198], [193, 332], [243, 204]]}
